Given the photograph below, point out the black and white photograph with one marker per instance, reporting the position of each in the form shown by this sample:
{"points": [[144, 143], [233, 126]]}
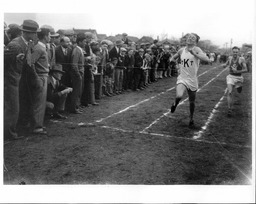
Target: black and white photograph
{"points": [[150, 101]]}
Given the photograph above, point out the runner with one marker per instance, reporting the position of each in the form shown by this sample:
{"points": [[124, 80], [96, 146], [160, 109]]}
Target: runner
{"points": [[187, 79], [212, 57], [237, 66]]}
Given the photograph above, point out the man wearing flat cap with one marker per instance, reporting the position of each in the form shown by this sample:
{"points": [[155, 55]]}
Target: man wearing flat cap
{"points": [[6, 37], [88, 95], [15, 61], [38, 82], [143, 46], [138, 72], [55, 41], [154, 63], [103, 64], [109, 77], [55, 38], [50, 47], [63, 56], [125, 39], [57, 92], [72, 36], [13, 31], [77, 73], [129, 64], [119, 71], [115, 51]]}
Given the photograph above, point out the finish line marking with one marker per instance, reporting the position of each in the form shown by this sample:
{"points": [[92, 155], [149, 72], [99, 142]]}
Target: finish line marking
{"points": [[148, 99], [81, 124], [171, 136]]}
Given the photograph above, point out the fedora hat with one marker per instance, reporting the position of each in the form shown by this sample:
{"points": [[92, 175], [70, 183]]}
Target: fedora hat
{"points": [[52, 31], [94, 42], [53, 34], [88, 35], [30, 26], [57, 68], [123, 49], [119, 42], [104, 42]]}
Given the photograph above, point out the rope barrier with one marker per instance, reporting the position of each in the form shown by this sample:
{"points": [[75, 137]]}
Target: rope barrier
{"points": [[115, 66]]}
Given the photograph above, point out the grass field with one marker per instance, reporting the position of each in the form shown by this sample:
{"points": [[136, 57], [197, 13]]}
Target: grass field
{"points": [[134, 139]]}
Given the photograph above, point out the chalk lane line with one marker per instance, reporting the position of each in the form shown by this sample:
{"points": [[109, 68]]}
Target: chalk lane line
{"points": [[145, 100], [182, 102]]}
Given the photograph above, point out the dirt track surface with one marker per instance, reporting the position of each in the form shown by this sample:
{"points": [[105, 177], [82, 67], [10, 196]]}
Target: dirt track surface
{"points": [[118, 142]]}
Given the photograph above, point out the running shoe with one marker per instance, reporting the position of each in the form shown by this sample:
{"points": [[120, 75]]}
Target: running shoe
{"points": [[239, 89], [191, 123], [229, 112], [173, 107]]}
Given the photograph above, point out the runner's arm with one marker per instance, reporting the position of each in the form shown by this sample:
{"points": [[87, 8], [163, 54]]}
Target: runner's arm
{"points": [[197, 52], [176, 55], [226, 63], [244, 66]]}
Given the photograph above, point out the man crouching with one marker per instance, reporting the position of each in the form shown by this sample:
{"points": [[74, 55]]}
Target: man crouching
{"points": [[56, 93]]}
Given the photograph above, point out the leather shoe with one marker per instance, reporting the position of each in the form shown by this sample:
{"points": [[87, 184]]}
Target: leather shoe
{"points": [[39, 131], [14, 138], [18, 137], [62, 111], [59, 116], [77, 111], [107, 94]]}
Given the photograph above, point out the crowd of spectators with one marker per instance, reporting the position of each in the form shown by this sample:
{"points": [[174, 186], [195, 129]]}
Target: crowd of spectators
{"points": [[48, 74]]}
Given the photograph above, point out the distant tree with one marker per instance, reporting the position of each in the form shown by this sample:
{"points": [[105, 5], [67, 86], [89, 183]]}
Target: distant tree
{"points": [[207, 45]]}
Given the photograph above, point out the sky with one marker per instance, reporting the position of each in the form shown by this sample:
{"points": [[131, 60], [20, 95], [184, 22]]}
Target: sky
{"points": [[218, 20]]}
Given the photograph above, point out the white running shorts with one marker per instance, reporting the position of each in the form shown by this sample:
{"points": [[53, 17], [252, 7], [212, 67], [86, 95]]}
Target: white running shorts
{"points": [[237, 81]]}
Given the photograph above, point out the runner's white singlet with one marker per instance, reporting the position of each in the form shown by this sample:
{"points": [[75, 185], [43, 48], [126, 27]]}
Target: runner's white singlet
{"points": [[188, 70]]}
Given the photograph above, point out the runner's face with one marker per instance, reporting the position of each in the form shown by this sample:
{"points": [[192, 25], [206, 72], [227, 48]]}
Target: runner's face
{"points": [[191, 41], [235, 52]]}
